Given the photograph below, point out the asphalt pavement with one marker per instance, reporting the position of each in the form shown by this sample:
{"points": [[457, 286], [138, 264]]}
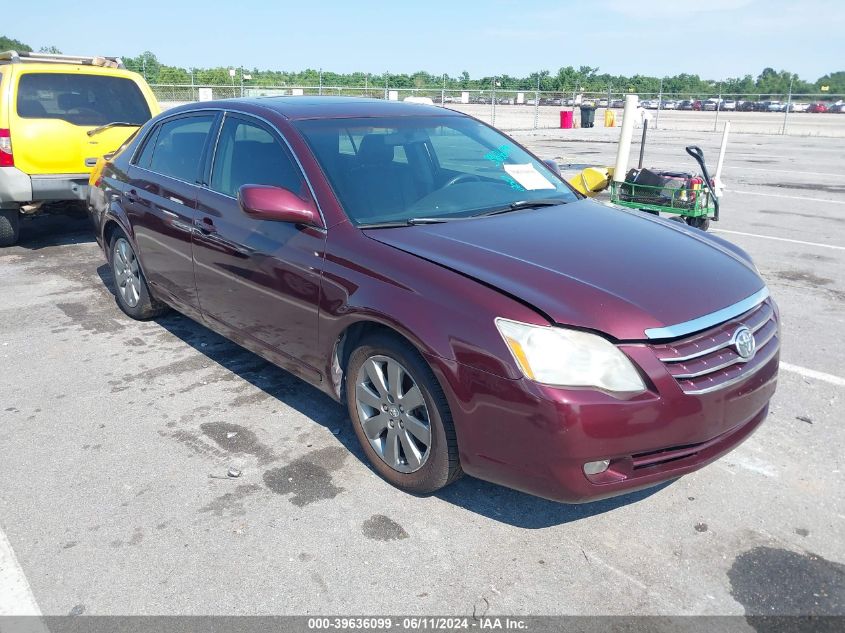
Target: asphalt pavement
{"points": [[117, 437]]}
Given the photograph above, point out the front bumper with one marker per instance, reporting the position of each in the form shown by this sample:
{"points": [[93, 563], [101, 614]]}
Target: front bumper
{"points": [[537, 439]]}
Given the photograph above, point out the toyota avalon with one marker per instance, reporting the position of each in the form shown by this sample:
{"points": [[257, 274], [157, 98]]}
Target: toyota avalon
{"points": [[475, 314]]}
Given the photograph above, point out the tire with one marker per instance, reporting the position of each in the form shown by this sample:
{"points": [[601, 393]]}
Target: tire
{"points": [[10, 223], [700, 222], [424, 468], [130, 286]]}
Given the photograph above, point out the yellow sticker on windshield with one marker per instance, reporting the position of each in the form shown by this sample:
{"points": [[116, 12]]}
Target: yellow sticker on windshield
{"points": [[528, 176]]}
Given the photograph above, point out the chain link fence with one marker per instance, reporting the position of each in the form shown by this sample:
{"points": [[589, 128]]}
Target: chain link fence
{"points": [[526, 109]]}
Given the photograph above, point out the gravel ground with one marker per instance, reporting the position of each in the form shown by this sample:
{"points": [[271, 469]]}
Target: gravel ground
{"points": [[117, 437]]}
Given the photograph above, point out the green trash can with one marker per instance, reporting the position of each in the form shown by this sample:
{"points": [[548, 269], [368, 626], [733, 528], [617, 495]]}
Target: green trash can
{"points": [[588, 115]]}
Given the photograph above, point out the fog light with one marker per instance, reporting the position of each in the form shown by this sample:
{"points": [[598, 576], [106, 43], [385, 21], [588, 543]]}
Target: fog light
{"points": [[596, 468]]}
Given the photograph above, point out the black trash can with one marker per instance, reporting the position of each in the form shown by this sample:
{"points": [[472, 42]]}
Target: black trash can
{"points": [[588, 115]]}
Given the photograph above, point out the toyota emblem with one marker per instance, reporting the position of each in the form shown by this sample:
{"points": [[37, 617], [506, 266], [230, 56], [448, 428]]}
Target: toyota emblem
{"points": [[744, 343]]}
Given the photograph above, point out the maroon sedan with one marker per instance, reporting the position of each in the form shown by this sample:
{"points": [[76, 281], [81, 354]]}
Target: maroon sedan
{"points": [[474, 312]]}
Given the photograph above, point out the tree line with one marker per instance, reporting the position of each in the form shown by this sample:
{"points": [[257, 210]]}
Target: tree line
{"points": [[566, 79], [584, 78]]}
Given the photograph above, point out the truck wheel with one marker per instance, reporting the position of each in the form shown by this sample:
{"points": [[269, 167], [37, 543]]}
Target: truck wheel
{"points": [[10, 220]]}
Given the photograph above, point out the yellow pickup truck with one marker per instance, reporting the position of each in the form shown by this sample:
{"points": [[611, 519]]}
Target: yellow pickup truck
{"points": [[58, 115]]}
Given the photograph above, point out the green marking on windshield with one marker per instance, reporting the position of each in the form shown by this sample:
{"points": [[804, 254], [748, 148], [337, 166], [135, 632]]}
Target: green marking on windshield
{"points": [[499, 155], [513, 183]]}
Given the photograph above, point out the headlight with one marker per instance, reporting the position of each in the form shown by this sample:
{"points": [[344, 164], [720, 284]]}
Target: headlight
{"points": [[569, 358]]}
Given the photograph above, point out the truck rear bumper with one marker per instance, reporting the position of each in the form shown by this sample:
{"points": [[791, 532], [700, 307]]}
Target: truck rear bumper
{"points": [[15, 187], [18, 187], [60, 187]]}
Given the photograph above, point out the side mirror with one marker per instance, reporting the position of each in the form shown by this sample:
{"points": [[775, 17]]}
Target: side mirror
{"points": [[277, 204], [552, 164]]}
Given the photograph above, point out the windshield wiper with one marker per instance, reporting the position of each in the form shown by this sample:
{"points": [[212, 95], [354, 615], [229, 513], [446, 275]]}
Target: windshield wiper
{"points": [[408, 222], [97, 130], [521, 204]]}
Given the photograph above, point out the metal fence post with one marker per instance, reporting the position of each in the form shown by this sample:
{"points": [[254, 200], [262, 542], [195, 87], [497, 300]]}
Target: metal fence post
{"points": [[321, 82], [718, 107], [537, 103], [788, 105], [443, 91], [659, 103], [493, 103], [385, 85]]}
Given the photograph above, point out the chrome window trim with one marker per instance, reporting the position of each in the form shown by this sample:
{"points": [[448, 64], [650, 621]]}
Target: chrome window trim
{"points": [[219, 130], [709, 320], [154, 127]]}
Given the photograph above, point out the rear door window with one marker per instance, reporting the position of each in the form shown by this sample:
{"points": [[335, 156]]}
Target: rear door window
{"points": [[175, 149], [249, 154], [81, 99]]}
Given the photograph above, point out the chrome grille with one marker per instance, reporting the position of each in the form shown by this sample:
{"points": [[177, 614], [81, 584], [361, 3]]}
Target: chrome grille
{"points": [[708, 361]]}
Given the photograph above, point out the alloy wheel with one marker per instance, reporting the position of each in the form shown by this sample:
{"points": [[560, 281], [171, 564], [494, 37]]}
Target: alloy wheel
{"points": [[393, 414], [127, 273]]}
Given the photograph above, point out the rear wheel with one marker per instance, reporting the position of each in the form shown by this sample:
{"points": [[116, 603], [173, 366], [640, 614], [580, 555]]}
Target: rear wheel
{"points": [[400, 415], [133, 295], [10, 220], [701, 222]]}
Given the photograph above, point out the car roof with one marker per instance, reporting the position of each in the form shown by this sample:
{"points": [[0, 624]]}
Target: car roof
{"points": [[307, 107]]}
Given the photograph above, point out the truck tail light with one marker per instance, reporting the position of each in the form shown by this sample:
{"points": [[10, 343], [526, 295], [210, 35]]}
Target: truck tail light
{"points": [[6, 158]]}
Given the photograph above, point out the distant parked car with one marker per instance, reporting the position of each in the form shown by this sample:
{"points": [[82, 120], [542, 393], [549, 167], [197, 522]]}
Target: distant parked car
{"points": [[817, 107], [669, 104], [686, 104], [775, 106], [794, 107], [729, 104], [617, 103], [746, 106], [711, 105]]}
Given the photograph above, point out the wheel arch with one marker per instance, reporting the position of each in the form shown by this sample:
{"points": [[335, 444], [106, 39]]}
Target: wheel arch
{"points": [[348, 340]]}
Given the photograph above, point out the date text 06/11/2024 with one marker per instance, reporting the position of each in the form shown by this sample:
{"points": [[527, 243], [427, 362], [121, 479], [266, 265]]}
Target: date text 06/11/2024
{"points": [[429, 623]]}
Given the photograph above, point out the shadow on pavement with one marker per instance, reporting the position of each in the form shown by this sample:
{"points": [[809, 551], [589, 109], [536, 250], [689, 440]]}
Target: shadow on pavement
{"points": [[54, 229], [474, 495]]}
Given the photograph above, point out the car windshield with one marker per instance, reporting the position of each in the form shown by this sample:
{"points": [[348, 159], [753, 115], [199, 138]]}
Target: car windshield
{"points": [[391, 170], [81, 99]]}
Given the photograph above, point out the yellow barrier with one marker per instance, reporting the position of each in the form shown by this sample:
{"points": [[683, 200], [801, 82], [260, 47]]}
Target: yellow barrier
{"points": [[592, 180]]}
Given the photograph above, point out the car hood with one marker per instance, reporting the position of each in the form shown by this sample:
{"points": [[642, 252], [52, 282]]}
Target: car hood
{"points": [[590, 265]]}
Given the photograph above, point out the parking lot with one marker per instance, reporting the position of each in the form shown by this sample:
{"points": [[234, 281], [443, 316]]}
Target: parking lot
{"points": [[117, 437], [522, 117]]}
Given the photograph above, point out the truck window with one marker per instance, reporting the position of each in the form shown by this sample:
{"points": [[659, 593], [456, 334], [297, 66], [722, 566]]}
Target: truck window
{"points": [[81, 99]]}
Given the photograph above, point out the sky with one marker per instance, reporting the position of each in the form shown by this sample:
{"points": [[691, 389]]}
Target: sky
{"points": [[715, 39]]}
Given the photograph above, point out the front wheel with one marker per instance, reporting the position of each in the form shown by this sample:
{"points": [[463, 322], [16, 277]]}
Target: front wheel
{"points": [[400, 416], [133, 295], [10, 221]]}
